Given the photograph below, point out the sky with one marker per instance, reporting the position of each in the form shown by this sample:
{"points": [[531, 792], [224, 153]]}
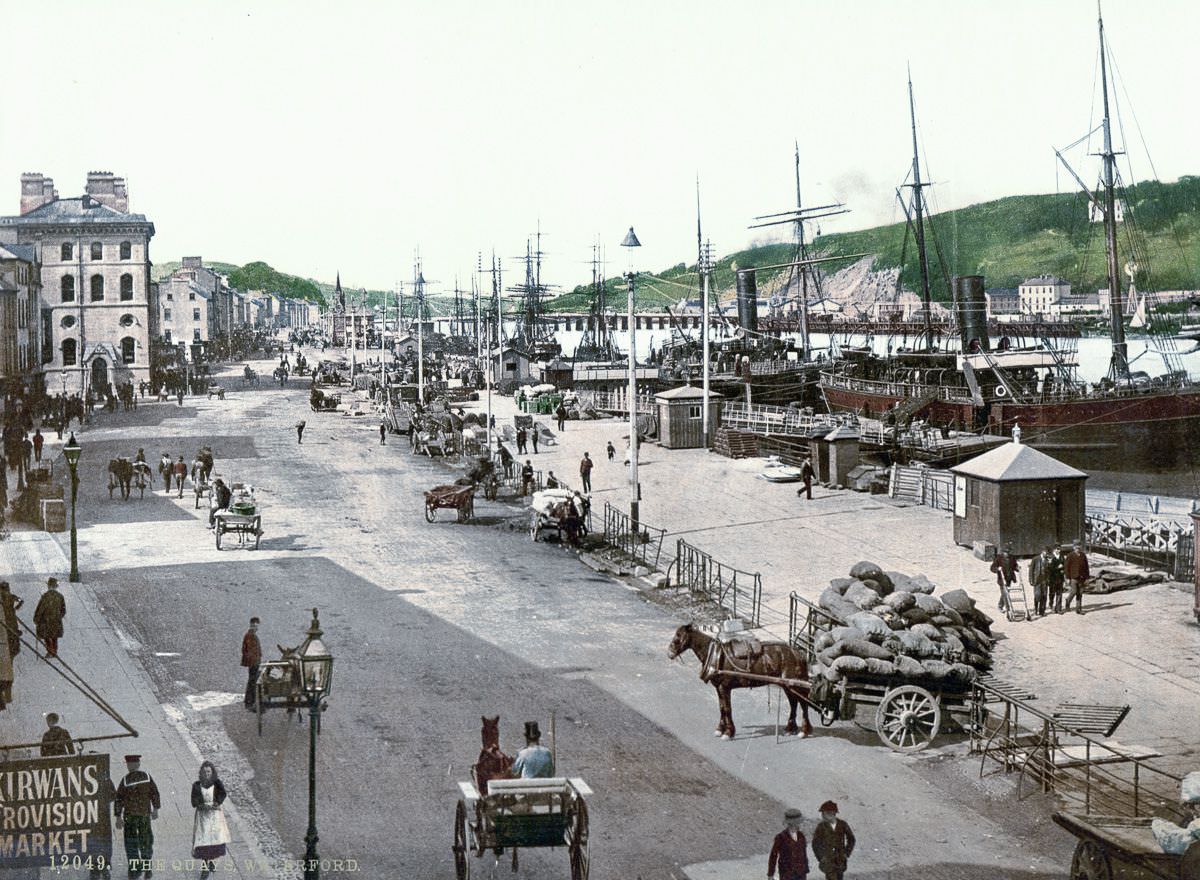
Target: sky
{"points": [[349, 137]]}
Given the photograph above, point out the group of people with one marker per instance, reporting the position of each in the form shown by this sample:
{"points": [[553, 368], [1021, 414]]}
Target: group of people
{"points": [[1053, 573], [832, 844], [48, 618]]}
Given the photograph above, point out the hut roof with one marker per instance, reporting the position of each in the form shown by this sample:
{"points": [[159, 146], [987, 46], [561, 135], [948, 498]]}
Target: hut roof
{"points": [[684, 392], [1013, 461]]}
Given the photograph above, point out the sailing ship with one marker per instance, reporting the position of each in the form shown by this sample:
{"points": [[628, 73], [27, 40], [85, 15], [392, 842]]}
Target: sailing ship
{"points": [[531, 334], [1127, 421], [597, 344]]}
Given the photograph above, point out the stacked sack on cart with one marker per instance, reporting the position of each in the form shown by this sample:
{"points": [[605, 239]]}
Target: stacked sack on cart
{"points": [[897, 627]]}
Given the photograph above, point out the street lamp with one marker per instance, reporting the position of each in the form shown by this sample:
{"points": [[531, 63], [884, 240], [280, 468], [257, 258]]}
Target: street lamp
{"points": [[316, 671], [630, 242], [71, 452]]}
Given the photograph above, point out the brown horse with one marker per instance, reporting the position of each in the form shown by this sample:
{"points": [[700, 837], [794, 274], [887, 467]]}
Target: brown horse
{"points": [[492, 763], [720, 669]]}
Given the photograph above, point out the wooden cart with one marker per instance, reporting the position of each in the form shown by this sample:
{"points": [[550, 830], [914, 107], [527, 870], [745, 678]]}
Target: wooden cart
{"points": [[1121, 848], [242, 519], [460, 499], [522, 813], [906, 713]]}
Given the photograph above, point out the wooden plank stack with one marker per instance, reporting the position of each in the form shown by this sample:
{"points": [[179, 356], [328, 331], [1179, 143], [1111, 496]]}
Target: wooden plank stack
{"points": [[735, 444]]}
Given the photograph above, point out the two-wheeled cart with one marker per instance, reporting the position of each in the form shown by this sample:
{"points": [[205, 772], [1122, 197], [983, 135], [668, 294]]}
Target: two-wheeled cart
{"points": [[1123, 848], [460, 499], [520, 813]]}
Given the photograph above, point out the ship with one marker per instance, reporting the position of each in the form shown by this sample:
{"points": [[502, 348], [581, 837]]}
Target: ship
{"points": [[1127, 421]]}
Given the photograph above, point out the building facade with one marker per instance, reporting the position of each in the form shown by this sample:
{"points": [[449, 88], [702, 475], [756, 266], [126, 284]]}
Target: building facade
{"points": [[20, 323], [95, 273], [1042, 295]]}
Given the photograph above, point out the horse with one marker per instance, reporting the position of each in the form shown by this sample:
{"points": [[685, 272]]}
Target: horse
{"points": [[492, 763], [120, 473], [720, 668]]}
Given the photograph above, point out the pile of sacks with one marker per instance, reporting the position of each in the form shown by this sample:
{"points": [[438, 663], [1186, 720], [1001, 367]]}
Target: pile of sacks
{"points": [[896, 626]]}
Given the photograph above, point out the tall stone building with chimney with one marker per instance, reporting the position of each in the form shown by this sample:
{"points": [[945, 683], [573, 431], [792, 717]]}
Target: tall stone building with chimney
{"points": [[98, 315]]}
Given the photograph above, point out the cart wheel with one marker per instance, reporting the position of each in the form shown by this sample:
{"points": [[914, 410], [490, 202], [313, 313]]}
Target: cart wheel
{"points": [[462, 864], [430, 512], [908, 718], [220, 531], [578, 842], [1090, 862]]}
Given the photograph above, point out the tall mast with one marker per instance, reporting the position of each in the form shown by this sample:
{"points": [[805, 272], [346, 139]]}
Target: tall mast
{"points": [[1119, 366], [801, 255], [918, 210]]}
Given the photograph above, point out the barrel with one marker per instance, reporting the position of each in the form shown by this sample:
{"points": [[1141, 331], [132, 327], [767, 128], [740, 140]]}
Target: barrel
{"points": [[970, 304]]}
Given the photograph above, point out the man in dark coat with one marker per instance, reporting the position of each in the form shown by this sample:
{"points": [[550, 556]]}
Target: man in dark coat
{"points": [[521, 437], [789, 852], [48, 616], [1057, 579], [833, 841], [1006, 570], [56, 740], [585, 472], [9, 603], [806, 473], [527, 478], [136, 804], [1076, 570], [251, 658]]}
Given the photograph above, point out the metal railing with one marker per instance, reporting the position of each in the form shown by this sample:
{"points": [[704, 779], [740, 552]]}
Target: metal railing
{"points": [[805, 622], [929, 486], [762, 419], [612, 401], [643, 546], [1147, 541], [738, 592]]}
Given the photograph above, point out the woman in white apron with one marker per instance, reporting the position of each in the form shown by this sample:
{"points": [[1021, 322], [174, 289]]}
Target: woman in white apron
{"points": [[210, 833]]}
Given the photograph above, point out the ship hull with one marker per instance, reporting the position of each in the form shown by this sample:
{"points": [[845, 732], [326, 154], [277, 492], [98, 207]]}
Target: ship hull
{"points": [[1150, 431]]}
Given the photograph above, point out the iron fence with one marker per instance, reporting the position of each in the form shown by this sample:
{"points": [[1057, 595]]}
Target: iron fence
{"points": [[1154, 543], [643, 545], [738, 592]]}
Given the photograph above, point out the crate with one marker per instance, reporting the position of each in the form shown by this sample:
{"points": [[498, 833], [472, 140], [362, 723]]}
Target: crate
{"points": [[54, 515]]}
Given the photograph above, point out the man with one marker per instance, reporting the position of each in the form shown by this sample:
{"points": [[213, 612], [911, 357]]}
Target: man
{"points": [[1006, 570], [137, 803], [789, 852], [221, 498], [38, 442], [611, 450], [1039, 579], [56, 740], [300, 432], [561, 413], [551, 481], [251, 658], [48, 617], [180, 470], [10, 602], [833, 841], [527, 477], [806, 473], [534, 761], [1076, 570], [383, 433], [585, 472], [1057, 577], [533, 435], [165, 466], [521, 438]]}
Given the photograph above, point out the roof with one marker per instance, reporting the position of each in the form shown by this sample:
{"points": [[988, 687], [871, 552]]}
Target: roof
{"points": [[1044, 280], [26, 252], [842, 432], [1013, 461], [684, 392], [74, 211]]}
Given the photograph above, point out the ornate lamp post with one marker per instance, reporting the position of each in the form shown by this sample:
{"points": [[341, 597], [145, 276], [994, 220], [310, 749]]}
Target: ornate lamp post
{"points": [[71, 452], [316, 670], [635, 493]]}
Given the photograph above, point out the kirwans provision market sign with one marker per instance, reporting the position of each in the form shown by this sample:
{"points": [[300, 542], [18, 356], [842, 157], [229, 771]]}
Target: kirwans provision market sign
{"points": [[55, 812]]}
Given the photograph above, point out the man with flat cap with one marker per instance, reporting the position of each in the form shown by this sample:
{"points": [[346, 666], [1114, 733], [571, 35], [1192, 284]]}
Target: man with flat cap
{"points": [[136, 804], [48, 617], [833, 841], [534, 761], [790, 851]]}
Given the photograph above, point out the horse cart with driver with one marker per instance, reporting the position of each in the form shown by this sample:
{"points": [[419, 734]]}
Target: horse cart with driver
{"points": [[249, 376], [321, 402], [515, 813], [460, 499], [241, 518], [215, 390], [126, 475], [562, 510], [1123, 848]]}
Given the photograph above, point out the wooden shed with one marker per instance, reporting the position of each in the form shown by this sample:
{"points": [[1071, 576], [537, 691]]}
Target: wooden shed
{"points": [[1019, 496], [513, 363], [558, 373], [681, 417]]}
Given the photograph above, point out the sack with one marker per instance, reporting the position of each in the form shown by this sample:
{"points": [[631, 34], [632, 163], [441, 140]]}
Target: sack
{"points": [[914, 616], [959, 601], [839, 585], [823, 641], [899, 581], [861, 648], [908, 667], [849, 665], [920, 584], [929, 604], [948, 617], [871, 624], [961, 673], [917, 645], [861, 595], [900, 601], [936, 669], [880, 667], [929, 631], [865, 570]]}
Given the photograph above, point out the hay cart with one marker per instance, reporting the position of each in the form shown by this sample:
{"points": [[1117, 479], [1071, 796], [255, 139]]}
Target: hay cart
{"points": [[460, 499], [1121, 848], [522, 813]]}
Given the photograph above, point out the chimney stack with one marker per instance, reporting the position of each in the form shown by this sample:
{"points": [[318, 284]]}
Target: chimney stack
{"points": [[36, 190], [108, 189]]}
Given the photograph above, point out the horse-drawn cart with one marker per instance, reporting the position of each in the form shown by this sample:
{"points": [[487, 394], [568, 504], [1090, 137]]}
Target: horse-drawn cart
{"points": [[319, 401], [242, 519], [522, 813], [1121, 848], [457, 498], [215, 390], [560, 510]]}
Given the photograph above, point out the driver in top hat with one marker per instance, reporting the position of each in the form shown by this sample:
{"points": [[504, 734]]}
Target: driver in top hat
{"points": [[534, 761]]}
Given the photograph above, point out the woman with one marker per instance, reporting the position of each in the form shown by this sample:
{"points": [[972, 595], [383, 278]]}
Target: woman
{"points": [[210, 833]]}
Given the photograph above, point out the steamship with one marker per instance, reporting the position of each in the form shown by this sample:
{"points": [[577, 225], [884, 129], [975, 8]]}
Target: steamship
{"points": [[1127, 421]]}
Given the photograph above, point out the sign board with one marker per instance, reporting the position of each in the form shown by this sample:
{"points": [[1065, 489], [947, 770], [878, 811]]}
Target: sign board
{"points": [[960, 496], [56, 812]]}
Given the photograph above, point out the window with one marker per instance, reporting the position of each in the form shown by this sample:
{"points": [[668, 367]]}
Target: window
{"points": [[97, 288], [127, 320], [191, 294], [68, 322], [68, 352], [128, 349], [170, 296], [167, 337], [694, 411], [195, 314], [47, 334], [126, 287], [68, 288], [68, 251], [126, 250], [196, 335], [97, 251], [166, 314]]}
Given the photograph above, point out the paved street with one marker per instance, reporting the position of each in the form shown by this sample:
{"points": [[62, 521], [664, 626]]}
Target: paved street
{"points": [[434, 625]]}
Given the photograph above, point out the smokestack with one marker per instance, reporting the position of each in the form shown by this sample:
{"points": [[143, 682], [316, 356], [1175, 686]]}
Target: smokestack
{"points": [[36, 190], [970, 304], [108, 189], [747, 299]]}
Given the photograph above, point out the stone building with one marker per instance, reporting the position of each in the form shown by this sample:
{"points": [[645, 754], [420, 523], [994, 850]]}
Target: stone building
{"points": [[184, 309], [95, 273], [1043, 295], [20, 298]]}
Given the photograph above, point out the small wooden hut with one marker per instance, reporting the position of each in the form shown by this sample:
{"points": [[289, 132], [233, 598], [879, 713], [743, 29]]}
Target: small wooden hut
{"points": [[681, 417]]}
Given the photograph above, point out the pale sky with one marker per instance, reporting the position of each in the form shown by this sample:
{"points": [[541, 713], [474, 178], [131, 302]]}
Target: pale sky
{"points": [[322, 137]]}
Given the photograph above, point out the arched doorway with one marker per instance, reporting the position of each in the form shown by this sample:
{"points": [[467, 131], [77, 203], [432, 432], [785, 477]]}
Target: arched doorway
{"points": [[100, 376]]}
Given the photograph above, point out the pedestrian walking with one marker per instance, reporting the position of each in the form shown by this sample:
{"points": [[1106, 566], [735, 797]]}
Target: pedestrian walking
{"points": [[300, 431], [6, 678], [136, 805], [210, 831], [561, 412], [521, 437], [1075, 568], [611, 450], [180, 470], [382, 433], [1057, 580], [526, 477], [165, 467], [251, 658], [38, 442], [56, 740], [1007, 570], [833, 842], [27, 453], [10, 602], [533, 435], [179, 395], [48, 616], [585, 472], [806, 473], [3, 484], [789, 852]]}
